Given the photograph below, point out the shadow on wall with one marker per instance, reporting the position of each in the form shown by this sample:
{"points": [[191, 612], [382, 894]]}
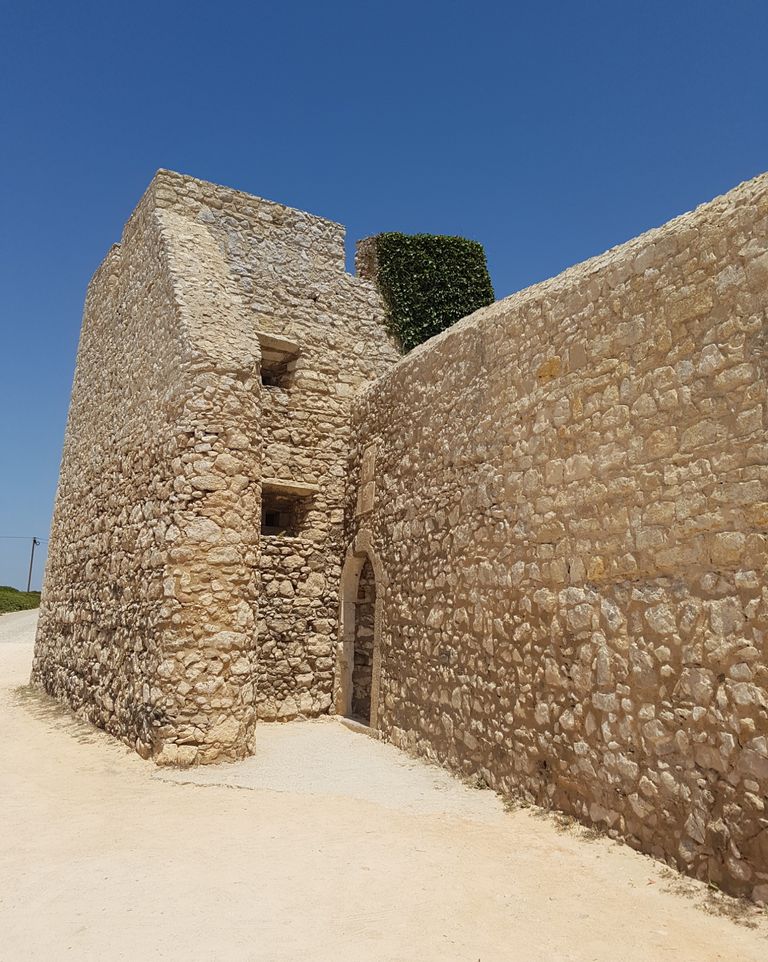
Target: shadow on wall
{"points": [[359, 657]]}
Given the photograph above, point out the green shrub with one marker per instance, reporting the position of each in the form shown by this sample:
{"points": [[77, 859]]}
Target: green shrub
{"points": [[13, 600], [429, 282]]}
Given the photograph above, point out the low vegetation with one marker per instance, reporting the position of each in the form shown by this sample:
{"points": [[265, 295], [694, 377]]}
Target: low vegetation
{"points": [[13, 600]]}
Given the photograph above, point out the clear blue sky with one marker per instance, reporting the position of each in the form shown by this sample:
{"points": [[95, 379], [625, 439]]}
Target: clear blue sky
{"points": [[549, 131]]}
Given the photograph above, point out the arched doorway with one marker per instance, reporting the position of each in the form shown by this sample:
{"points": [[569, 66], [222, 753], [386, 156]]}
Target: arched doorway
{"points": [[359, 657], [362, 653]]}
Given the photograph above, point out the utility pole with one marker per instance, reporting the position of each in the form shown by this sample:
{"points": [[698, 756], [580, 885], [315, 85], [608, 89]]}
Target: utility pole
{"points": [[31, 562]]}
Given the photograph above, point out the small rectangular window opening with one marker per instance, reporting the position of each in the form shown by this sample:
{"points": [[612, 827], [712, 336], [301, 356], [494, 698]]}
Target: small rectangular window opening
{"points": [[281, 515], [278, 360], [275, 372]]}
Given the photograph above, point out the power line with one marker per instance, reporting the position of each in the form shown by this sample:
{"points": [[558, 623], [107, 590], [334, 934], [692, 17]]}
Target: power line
{"points": [[19, 537]]}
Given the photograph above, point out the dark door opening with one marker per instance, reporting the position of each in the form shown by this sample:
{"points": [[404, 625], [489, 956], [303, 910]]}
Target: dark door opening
{"points": [[362, 668]]}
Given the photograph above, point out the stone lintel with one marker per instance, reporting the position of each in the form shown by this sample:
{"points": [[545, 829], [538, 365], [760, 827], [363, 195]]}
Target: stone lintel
{"points": [[294, 488], [276, 348]]}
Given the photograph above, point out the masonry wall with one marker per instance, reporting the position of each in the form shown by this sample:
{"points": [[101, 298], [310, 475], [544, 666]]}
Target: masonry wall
{"points": [[287, 269], [157, 612], [569, 512]]}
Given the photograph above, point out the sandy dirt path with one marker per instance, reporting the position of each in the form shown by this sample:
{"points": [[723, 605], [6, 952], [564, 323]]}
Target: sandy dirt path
{"points": [[325, 846]]}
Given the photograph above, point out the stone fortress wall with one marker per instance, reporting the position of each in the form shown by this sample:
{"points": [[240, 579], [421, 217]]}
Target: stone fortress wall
{"points": [[166, 617], [565, 500], [546, 527]]}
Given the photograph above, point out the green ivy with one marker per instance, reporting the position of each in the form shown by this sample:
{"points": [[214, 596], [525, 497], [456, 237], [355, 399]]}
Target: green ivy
{"points": [[429, 282]]}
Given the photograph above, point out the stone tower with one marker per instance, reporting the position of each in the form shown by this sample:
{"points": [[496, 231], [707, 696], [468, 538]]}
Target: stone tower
{"points": [[193, 577]]}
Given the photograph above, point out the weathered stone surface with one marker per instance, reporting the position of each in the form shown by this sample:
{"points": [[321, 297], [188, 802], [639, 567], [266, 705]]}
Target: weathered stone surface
{"points": [[166, 618], [552, 517], [589, 540]]}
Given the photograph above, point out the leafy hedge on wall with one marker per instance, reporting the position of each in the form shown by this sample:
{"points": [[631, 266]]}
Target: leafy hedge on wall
{"points": [[429, 282]]}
